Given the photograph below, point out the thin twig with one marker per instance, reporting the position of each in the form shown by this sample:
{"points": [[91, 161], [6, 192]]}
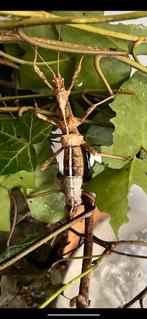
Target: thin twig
{"points": [[45, 239], [128, 254], [59, 291], [14, 220], [25, 62], [139, 296], [50, 191]]}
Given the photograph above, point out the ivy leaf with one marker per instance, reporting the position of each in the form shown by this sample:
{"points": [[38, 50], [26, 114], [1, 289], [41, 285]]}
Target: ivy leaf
{"points": [[4, 209], [114, 186], [46, 208], [17, 139], [100, 134], [75, 35], [138, 173], [21, 179], [28, 77], [15, 249], [130, 122], [111, 188]]}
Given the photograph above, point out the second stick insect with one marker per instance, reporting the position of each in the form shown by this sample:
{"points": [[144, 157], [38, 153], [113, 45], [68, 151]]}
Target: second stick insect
{"points": [[72, 141]]}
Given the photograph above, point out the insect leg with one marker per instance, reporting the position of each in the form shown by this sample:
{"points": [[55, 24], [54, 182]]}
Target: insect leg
{"points": [[94, 152], [45, 118], [93, 107], [74, 78], [45, 165]]}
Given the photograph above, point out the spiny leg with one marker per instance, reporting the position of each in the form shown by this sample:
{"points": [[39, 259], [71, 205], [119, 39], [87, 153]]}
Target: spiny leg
{"points": [[74, 78], [45, 118], [45, 165], [94, 152], [93, 107]]}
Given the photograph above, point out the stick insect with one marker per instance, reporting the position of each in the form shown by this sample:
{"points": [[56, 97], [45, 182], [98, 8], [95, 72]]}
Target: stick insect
{"points": [[72, 141], [74, 147]]}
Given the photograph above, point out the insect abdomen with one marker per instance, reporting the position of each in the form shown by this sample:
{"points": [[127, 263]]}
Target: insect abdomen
{"points": [[73, 175]]}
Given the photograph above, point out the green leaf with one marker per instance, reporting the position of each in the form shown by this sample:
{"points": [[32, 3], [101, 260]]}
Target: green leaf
{"points": [[17, 137], [4, 209], [21, 179], [112, 187], [75, 35], [45, 180], [130, 122], [48, 208], [97, 169], [28, 77], [100, 135], [138, 173], [78, 13], [91, 80], [15, 249]]}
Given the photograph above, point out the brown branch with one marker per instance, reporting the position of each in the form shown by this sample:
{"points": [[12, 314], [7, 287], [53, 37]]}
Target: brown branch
{"points": [[82, 300]]}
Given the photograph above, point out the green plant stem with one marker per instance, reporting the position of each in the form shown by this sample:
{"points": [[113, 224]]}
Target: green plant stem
{"points": [[101, 75], [66, 46], [22, 97], [108, 33], [47, 18], [34, 14], [51, 93], [59, 291], [20, 61], [44, 240], [132, 63]]}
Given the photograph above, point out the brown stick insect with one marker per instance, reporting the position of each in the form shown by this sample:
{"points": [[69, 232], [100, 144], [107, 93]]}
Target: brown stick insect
{"points": [[72, 141]]}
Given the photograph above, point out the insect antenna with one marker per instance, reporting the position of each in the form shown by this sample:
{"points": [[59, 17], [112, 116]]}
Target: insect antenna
{"points": [[58, 53], [39, 72]]}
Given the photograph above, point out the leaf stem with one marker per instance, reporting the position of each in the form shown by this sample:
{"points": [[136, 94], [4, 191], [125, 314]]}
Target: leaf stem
{"points": [[132, 63], [20, 61], [86, 272], [48, 18], [66, 46], [44, 240], [50, 93]]}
